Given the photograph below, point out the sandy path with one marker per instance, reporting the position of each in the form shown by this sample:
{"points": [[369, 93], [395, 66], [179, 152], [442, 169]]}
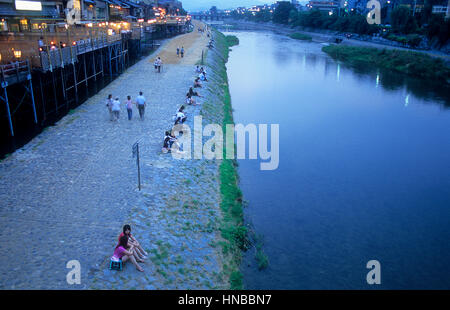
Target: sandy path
{"points": [[193, 43]]}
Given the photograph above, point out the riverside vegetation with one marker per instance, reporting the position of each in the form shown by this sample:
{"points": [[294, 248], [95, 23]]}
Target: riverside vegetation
{"points": [[232, 228], [300, 36], [411, 63], [239, 237]]}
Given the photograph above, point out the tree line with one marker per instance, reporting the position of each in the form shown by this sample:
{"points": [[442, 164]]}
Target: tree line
{"points": [[405, 26]]}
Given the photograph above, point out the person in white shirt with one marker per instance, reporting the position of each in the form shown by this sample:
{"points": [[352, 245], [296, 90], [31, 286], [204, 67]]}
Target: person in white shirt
{"points": [[158, 64], [180, 117], [116, 108], [141, 104]]}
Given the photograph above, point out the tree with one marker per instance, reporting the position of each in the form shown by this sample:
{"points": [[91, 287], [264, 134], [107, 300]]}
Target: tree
{"points": [[213, 10], [263, 15], [293, 17], [282, 11], [402, 20], [439, 27]]}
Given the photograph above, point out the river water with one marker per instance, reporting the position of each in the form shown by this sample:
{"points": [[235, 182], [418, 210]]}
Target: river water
{"points": [[364, 171]]}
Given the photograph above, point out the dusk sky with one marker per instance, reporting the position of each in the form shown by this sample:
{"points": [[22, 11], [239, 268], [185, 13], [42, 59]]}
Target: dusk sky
{"points": [[195, 5]]}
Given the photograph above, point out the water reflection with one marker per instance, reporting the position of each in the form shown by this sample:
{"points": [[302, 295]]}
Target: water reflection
{"points": [[338, 72], [393, 81]]}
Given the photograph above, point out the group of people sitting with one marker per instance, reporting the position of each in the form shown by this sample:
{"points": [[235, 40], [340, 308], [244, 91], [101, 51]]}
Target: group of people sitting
{"points": [[211, 43], [180, 116], [201, 76], [128, 249]]}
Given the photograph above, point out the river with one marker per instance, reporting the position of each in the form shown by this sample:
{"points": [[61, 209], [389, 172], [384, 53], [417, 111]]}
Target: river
{"points": [[364, 170]]}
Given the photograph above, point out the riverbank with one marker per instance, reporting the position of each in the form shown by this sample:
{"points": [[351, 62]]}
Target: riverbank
{"points": [[67, 193]]}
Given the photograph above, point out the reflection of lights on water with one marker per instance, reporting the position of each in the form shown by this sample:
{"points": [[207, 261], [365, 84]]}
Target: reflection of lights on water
{"points": [[378, 80], [338, 72], [406, 100]]}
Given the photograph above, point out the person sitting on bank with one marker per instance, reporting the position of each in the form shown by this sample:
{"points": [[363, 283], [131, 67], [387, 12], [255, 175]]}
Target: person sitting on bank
{"points": [[193, 93], [180, 117], [197, 69], [140, 252], [190, 100], [197, 83], [123, 252], [202, 76], [169, 141]]}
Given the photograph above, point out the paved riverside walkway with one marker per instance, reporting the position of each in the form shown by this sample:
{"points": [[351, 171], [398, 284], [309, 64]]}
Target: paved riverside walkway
{"points": [[66, 194]]}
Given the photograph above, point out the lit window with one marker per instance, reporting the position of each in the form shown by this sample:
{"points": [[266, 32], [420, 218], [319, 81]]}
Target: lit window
{"points": [[24, 24]]}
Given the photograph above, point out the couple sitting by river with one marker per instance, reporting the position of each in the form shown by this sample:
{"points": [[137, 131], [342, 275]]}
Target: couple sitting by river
{"points": [[169, 139], [129, 249]]}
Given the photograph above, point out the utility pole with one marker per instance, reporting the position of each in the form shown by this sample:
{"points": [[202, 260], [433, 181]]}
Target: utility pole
{"points": [[135, 150]]}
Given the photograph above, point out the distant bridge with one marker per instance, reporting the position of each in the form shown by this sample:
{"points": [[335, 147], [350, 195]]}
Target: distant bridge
{"points": [[204, 16]]}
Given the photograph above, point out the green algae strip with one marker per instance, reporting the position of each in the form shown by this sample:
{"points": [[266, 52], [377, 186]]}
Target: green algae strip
{"points": [[300, 36], [232, 228], [411, 63]]}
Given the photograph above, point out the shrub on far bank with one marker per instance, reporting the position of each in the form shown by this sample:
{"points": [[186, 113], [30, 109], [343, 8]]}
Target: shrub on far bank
{"points": [[412, 63], [300, 36], [412, 40]]}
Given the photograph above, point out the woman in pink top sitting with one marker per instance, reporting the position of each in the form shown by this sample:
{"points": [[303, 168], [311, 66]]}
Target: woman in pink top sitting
{"points": [[121, 253], [139, 253]]}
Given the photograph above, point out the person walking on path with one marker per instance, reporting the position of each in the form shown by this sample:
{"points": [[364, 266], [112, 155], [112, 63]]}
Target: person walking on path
{"points": [[141, 104], [182, 51], [159, 64], [129, 105], [116, 109], [178, 51], [109, 102]]}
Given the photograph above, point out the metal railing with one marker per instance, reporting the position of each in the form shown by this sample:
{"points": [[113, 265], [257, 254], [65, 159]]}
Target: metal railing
{"points": [[14, 72], [56, 57]]}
